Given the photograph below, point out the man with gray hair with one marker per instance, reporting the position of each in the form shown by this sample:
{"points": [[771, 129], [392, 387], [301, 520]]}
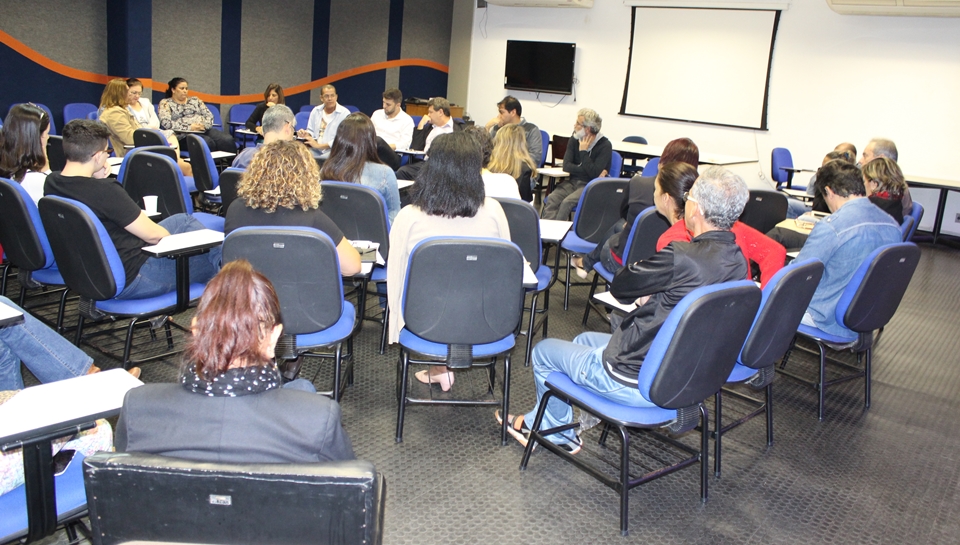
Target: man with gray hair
{"points": [[587, 157], [278, 123], [608, 364]]}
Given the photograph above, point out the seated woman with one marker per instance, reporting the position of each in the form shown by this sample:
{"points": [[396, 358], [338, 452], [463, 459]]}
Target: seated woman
{"points": [[885, 185], [638, 197], [23, 148], [447, 200], [118, 113], [281, 188], [494, 184], [229, 405], [353, 158], [511, 156], [180, 112], [670, 193], [271, 97]]}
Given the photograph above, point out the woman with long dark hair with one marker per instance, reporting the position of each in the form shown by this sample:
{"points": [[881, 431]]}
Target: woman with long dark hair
{"points": [[448, 200], [229, 405], [353, 158], [23, 148]]}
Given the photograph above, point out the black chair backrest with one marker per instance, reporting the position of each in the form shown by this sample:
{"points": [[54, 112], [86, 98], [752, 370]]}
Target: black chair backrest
{"points": [[229, 181], [148, 173], [647, 230], [77, 246], [148, 137], [358, 211], [18, 233], [784, 301], [303, 266], [143, 497], [599, 208], [882, 288], [558, 147], [764, 210], [704, 347], [524, 225], [463, 291], [199, 153], [55, 155]]}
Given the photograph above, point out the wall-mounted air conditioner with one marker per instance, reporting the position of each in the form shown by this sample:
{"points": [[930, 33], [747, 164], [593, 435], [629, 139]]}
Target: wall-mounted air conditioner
{"points": [[543, 3], [919, 8]]}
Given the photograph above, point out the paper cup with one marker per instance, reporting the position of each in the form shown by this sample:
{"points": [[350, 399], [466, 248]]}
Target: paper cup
{"points": [[150, 204]]}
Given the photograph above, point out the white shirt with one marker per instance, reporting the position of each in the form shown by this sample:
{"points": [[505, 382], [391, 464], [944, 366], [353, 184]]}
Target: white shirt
{"points": [[33, 183], [500, 184], [446, 128], [397, 131]]}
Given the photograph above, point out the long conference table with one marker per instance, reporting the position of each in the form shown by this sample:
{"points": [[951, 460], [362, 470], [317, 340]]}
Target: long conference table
{"points": [[646, 151]]}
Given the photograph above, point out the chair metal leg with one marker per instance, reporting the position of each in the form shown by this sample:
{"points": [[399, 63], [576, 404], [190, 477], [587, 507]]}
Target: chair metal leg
{"points": [[506, 399], [704, 452], [566, 287], [337, 372], [769, 408], [624, 481], [169, 334], [820, 387], [128, 344], [866, 377], [593, 289], [383, 328], [61, 310], [530, 323], [402, 398], [534, 438], [79, 335], [718, 430]]}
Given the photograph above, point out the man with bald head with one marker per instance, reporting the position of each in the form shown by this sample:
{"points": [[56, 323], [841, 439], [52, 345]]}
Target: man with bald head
{"points": [[324, 121]]}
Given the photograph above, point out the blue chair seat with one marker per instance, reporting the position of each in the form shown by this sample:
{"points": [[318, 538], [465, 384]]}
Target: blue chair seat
{"points": [[191, 184], [71, 500], [49, 275], [379, 274], [576, 244], [643, 416], [210, 221], [544, 276], [133, 307], [819, 334], [333, 334], [741, 373], [417, 344], [603, 272]]}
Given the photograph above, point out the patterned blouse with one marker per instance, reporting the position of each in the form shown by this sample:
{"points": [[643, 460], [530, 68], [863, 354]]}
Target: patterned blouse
{"points": [[179, 117]]}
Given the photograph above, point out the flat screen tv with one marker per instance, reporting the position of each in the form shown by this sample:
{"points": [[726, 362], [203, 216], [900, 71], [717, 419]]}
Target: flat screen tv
{"points": [[545, 67]]}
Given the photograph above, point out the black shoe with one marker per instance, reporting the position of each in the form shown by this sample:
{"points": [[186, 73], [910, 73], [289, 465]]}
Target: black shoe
{"points": [[291, 368]]}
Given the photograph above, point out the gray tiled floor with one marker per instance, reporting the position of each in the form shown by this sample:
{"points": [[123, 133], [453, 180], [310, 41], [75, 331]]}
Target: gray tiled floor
{"points": [[887, 475]]}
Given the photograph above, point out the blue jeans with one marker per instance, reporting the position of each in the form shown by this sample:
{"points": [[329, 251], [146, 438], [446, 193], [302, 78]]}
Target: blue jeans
{"points": [[582, 361], [46, 354], [158, 275], [301, 384]]}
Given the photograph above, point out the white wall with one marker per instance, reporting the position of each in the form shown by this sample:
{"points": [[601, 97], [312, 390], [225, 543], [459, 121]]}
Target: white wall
{"points": [[834, 78]]}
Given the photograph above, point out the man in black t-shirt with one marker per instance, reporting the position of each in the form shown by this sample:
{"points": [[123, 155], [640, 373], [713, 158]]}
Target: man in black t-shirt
{"points": [[86, 147]]}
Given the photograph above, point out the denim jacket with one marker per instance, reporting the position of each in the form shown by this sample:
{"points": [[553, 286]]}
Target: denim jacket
{"points": [[842, 241], [383, 180]]}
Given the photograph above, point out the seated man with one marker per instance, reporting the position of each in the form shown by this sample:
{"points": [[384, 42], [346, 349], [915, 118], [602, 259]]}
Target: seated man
{"points": [[609, 364], [587, 157], [86, 147], [277, 124], [510, 111], [843, 240], [393, 124], [436, 122], [322, 126]]}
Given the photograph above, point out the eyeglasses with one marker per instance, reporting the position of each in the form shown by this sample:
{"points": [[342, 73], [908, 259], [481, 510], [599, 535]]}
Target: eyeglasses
{"points": [[328, 96], [688, 197]]}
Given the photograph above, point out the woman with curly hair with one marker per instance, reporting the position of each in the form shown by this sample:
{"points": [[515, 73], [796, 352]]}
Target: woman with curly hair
{"points": [[281, 187], [510, 156]]}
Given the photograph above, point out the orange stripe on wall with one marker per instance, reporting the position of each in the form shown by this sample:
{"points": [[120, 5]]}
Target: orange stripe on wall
{"points": [[91, 77]]}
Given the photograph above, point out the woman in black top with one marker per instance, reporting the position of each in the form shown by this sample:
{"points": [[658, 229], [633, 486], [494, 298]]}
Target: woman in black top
{"points": [[271, 97], [884, 183]]}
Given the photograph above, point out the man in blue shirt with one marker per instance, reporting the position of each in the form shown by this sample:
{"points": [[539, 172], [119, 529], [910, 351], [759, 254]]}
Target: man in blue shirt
{"points": [[855, 228]]}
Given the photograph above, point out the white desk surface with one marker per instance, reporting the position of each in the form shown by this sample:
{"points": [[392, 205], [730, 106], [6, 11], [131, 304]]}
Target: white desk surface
{"points": [[553, 172], [932, 182], [411, 152], [403, 184], [607, 298], [794, 225], [65, 402], [9, 315], [114, 161], [183, 241], [650, 150], [554, 230]]}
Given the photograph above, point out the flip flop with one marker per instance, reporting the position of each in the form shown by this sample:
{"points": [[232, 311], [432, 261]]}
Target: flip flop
{"points": [[516, 427]]}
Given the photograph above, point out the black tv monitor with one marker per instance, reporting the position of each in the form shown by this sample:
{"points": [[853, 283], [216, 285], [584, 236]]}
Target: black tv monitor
{"points": [[539, 66]]}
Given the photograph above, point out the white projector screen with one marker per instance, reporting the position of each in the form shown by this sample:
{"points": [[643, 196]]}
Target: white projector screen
{"points": [[702, 65]]}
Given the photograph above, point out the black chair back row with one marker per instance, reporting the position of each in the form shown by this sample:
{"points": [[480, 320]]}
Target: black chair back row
{"points": [[764, 210], [358, 211]]}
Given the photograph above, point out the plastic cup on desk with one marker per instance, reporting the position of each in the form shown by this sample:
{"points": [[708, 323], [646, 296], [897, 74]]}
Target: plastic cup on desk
{"points": [[150, 204]]}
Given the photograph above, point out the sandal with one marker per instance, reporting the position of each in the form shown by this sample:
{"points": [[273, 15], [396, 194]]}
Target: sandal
{"points": [[577, 262], [516, 427]]}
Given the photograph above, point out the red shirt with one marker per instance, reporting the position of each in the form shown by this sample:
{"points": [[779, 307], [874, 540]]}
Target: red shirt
{"points": [[756, 247]]}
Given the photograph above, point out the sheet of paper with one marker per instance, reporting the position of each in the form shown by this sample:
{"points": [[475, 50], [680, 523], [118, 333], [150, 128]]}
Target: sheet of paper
{"points": [[221, 154], [215, 191], [65, 400], [554, 230], [606, 298], [185, 240], [403, 184], [8, 313]]}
